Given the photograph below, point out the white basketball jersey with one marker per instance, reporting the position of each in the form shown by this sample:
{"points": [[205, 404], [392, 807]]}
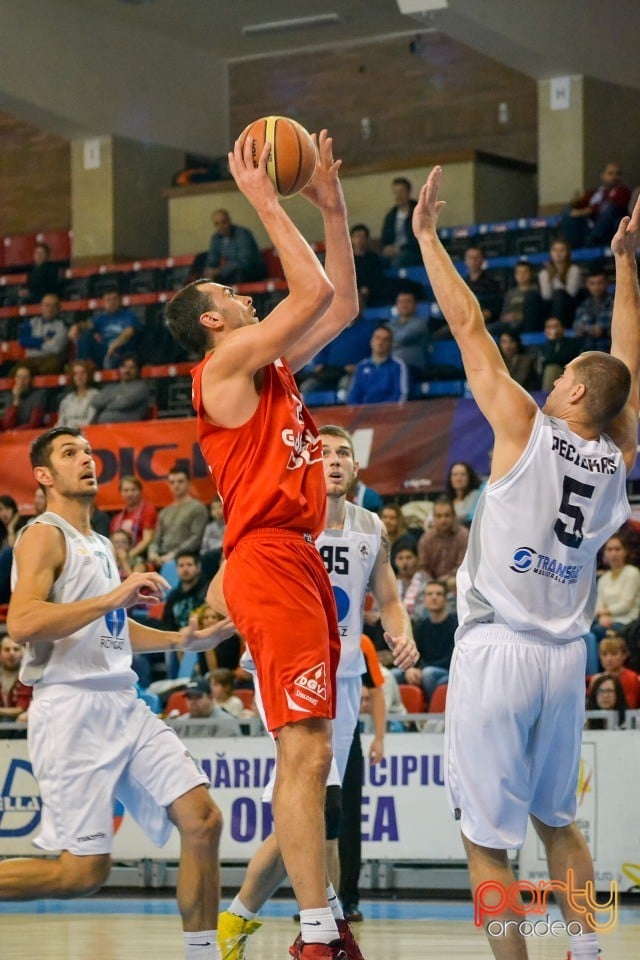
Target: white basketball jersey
{"points": [[349, 555], [531, 558], [97, 656]]}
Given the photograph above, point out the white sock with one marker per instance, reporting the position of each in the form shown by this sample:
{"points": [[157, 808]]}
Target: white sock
{"points": [[202, 945], [584, 946], [238, 908], [318, 926], [334, 903]]}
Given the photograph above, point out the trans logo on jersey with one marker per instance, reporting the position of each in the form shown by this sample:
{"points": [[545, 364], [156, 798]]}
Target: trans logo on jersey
{"points": [[526, 559]]}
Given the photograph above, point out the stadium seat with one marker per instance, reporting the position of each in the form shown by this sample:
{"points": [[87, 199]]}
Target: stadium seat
{"points": [[244, 694], [18, 250], [321, 398], [438, 699], [412, 698], [177, 701]]}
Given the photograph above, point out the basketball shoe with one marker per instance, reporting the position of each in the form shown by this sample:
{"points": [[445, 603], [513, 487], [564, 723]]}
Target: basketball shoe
{"points": [[232, 935], [347, 943]]}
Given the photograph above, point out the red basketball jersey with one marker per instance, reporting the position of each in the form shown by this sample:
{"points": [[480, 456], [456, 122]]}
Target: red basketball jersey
{"points": [[268, 471]]}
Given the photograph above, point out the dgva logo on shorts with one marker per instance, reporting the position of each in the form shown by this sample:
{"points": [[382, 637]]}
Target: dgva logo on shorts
{"points": [[314, 680], [523, 559]]}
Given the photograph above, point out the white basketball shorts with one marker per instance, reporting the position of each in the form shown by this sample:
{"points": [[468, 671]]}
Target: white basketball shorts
{"points": [[514, 720], [89, 747]]}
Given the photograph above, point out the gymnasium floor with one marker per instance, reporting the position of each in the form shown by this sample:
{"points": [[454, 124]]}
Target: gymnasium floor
{"points": [[137, 928]]}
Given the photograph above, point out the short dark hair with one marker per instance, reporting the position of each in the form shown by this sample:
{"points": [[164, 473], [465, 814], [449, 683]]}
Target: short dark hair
{"points": [[404, 181], [607, 381], [180, 468], [189, 553], [182, 317], [333, 430], [45, 246], [40, 450], [360, 226]]}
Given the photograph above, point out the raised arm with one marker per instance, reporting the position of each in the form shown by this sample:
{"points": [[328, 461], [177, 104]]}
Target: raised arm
{"points": [[509, 409], [247, 350], [625, 329], [325, 191]]}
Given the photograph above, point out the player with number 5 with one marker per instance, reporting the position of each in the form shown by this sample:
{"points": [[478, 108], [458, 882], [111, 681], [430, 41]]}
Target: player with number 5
{"points": [[526, 591]]}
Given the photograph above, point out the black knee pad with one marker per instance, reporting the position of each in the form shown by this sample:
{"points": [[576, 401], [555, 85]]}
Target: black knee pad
{"points": [[332, 812]]}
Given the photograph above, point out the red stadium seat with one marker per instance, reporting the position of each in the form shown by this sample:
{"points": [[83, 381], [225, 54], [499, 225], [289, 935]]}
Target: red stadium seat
{"points": [[59, 243], [438, 699], [412, 698], [18, 250], [246, 695], [177, 701]]}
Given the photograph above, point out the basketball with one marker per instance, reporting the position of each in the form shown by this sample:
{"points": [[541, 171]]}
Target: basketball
{"points": [[293, 156]]}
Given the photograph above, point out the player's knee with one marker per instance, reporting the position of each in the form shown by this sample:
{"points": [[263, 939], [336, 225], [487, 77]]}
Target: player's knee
{"points": [[203, 828], [332, 812], [83, 876]]}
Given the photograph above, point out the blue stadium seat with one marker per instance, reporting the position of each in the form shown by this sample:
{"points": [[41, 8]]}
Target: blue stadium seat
{"points": [[439, 388], [445, 353], [321, 398]]}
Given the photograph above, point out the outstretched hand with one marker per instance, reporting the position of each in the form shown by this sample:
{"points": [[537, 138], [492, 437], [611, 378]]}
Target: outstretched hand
{"points": [[253, 180], [140, 588], [208, 638], [426, 211], [324, 190], [627, 236]]}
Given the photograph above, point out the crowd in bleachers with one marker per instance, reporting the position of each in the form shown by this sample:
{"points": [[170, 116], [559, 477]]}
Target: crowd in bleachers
{"points": [[73, 344]]}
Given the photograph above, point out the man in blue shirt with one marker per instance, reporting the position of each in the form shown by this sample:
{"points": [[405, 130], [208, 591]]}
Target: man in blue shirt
{"points": [[109, 336], [233, 255], [381, 378]]}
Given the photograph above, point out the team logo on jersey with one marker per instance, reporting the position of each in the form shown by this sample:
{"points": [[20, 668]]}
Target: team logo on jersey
{"points": [[522, 559], [343, 604], [364, 551], [115, 621], [83, 553], [526, 559], [314, 681]]}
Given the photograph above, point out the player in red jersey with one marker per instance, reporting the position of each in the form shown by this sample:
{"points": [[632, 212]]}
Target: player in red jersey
{"points": [[265, 455]]}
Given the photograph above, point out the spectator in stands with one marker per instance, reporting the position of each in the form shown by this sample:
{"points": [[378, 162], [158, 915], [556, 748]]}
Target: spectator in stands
{"points": [[221, 681], [593, 218], [109, 336], [15, 696], [364, 496], [201, 707], [381, 378], [75, 408], [234, 256], [556, 352], [410, 335], [463, 488], [520, 363], [121, 541], [125, 401], [442, 547], [561, 283], [138, 518], [369, 266], [618, 590], [399, 244], [180, 525], [211, 546], [45, 338], [592, 322], [607, 694], [397, 530], [333, 367], [613, 653], [411, 581], [11, 521], [434, 635], [39, 502], [227, 653], [522, 307], [483, 285], [43, 277], [28, 404], [183, 600]]}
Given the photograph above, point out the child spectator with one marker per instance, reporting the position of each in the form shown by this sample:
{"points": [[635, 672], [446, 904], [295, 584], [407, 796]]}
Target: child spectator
{"points": [[613, 654], [221, 681]]}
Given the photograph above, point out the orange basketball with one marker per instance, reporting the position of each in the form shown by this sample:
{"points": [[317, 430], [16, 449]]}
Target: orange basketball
{"points": [[293, 156]]}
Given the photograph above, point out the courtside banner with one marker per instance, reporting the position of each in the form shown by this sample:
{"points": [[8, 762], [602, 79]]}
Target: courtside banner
{"points": [[395, 443], [404, 812]]}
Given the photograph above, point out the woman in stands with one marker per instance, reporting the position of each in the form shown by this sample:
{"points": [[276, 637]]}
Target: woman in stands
{"points": [[561, 283], [607, 694], [75, 407], [463, 489]]}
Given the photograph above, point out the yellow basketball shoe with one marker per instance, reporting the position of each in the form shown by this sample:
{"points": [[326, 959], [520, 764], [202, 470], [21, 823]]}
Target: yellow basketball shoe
{"points": [[232, 935]]}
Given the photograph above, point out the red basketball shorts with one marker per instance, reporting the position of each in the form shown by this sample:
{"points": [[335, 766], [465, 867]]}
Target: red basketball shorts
{"points": [[280, 599]]}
